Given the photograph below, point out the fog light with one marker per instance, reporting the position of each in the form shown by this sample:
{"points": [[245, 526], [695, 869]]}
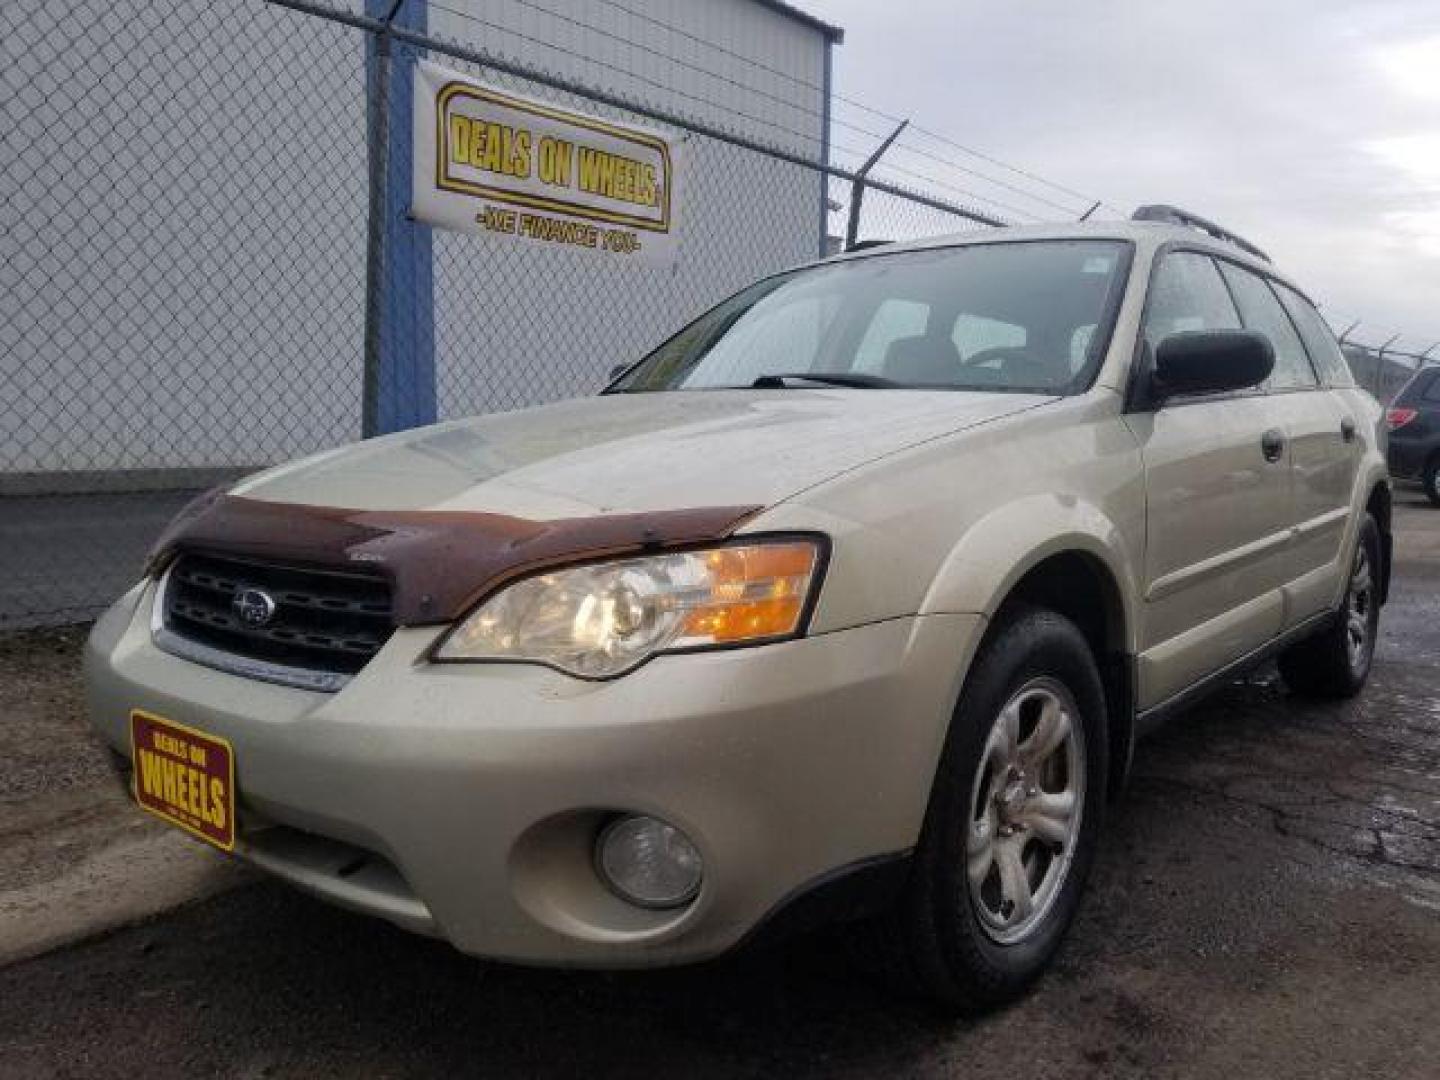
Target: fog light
{"points": [[648, 863]]}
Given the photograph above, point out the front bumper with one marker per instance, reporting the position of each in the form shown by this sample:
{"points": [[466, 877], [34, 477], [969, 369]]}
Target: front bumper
{"points": [[463, 800]]}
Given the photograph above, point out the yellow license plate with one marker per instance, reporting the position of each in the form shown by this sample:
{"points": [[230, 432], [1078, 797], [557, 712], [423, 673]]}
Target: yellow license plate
{"points": [[184, 776]]}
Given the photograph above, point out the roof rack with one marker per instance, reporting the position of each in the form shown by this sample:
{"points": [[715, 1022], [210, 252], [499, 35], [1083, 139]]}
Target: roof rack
{"points": [[1175, 216], [865, 245]]}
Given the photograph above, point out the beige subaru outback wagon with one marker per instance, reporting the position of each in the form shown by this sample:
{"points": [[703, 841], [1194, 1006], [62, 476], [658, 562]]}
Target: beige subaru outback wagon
{"points": [[846, 604]]}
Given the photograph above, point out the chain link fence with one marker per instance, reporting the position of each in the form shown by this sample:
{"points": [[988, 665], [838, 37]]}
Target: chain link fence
{"points": [[535, 349], [190, 257], [1382, 370], [167, 319], [203, 230]]}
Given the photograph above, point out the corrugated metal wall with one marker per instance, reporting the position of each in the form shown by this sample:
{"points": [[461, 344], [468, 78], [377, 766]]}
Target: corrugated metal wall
{"points": [[182, 234], [183, 191], [517, 324], [733, 63]]}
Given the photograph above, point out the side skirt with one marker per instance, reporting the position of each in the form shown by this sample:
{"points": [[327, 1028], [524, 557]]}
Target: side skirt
{"points": [[1147, 720]]}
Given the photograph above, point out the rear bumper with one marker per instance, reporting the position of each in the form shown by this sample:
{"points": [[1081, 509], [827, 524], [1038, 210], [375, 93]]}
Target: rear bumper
{"points": [[1407, 458], [463, 801]]}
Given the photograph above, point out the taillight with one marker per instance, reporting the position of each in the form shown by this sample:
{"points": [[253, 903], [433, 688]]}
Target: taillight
{"points": [[1398, 418]]}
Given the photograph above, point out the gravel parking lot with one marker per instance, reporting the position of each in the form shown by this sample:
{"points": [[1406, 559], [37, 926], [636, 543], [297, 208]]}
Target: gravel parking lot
{"points": [[1267, 904]]}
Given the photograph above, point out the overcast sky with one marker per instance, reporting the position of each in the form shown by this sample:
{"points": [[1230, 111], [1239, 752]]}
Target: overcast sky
{"points": [[1311, 127]]}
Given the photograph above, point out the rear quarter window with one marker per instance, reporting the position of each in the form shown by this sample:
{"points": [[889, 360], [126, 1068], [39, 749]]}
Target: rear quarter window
{"points": [[1432, 388]]}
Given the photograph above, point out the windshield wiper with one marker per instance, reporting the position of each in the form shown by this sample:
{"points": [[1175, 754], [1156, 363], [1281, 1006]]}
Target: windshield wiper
{"points": [[857, 382]]}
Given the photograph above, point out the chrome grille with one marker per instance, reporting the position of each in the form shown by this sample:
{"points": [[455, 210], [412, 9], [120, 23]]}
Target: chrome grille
{"points": [[320, 626]]}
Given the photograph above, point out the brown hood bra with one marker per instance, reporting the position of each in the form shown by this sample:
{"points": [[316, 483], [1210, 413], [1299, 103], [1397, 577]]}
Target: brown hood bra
{"points": [[439, 562]]}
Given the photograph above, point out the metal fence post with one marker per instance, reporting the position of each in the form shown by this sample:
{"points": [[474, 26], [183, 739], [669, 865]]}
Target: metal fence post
{"points": [[377, 94], [399, 370], [857, 185], [1380, 364], [824, 177]]}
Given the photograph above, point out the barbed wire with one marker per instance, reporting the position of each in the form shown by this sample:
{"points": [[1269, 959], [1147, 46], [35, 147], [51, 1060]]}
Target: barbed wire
{"points": [[808, 113], [884, 168], [850, 125], [948, 141], [902, 146]]}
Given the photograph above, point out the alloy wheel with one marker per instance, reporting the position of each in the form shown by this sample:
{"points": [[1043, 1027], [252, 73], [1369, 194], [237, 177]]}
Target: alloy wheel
{"points": [[1358, 604], [1025, 807]]}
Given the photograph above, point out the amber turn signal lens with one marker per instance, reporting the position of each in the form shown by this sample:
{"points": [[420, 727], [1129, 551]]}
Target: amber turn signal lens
{"points": [[756, 591]]}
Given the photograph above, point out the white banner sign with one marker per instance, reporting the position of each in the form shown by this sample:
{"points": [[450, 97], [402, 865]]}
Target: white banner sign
{"points": [[499, 164]]}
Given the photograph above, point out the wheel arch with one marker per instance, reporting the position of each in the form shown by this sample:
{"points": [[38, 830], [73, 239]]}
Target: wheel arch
{"points": [[1083, 589], [1380, 506], [1066, 556]]}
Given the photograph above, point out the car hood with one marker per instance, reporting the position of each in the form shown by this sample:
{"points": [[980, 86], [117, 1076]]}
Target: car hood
{"points": [[632, 452]]}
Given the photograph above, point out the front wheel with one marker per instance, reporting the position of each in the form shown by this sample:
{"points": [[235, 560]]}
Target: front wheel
{"points": [[1014, 817], [1335, 663], [1431, 480]]}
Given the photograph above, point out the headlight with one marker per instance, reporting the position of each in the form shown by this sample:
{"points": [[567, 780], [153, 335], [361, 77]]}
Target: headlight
{"points": [[603, 620]]}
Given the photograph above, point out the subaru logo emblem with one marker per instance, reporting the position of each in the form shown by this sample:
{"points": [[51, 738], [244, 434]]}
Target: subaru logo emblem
{"points": [[253, 607]]}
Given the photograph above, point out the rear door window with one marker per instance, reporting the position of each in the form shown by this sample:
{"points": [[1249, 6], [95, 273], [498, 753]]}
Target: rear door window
{"points": [[1261, 311], [1320, 343]]}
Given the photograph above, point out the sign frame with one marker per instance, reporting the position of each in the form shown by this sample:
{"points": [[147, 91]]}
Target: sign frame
{"points": [[575, 200]]}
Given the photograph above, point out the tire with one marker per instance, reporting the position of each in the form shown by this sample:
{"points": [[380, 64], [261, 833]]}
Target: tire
{"points": [[1431, 480], [951, 941], [1335, 662]]}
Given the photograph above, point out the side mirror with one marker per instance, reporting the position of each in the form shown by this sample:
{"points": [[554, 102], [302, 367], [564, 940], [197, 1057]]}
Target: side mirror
{"points": [[1212, 361], [616, 372]]}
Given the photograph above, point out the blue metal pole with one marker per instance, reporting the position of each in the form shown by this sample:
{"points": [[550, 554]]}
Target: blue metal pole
{"points": [[403, 369]]}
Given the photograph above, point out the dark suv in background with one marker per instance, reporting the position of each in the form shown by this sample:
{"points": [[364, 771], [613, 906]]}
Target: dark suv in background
{"points": [[1415, 432]]}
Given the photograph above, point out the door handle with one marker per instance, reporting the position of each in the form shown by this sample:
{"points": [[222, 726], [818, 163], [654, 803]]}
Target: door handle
{"points": [[1347, 429], [1272, 444]]}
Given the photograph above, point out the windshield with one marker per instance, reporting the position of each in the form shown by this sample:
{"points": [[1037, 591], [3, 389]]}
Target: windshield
{"points": [[1015, 316]]}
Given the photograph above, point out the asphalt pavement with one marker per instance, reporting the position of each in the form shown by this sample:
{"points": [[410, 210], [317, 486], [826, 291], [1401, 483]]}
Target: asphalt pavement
{"points": [[68, 556], [1267, 904]]}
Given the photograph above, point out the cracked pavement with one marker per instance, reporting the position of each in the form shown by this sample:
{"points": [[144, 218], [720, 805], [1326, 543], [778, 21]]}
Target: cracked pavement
{"points": [[1267, 903]]}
